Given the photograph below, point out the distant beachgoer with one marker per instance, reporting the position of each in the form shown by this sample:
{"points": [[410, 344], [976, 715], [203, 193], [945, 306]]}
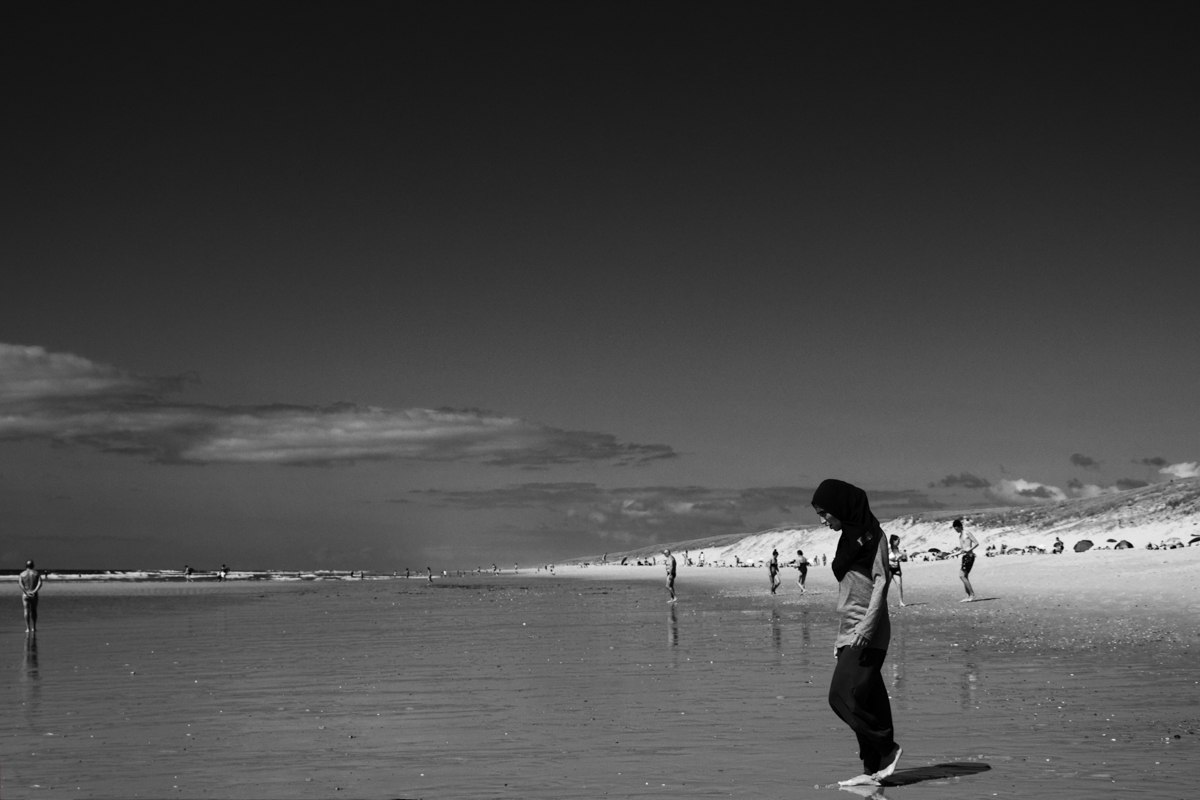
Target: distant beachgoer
{"points": [[669, 560], [430, 571], [857, 693], [823, 561], [894, 556], [773, 570], [802, 567], [30, 582], [967, 543], [187, 572], [1058, 545], [224, 572]]}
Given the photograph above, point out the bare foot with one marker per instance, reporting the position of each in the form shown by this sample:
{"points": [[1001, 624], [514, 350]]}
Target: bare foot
{"points": [[967, 600], [893, 758], [860, 780], [902, 604]]}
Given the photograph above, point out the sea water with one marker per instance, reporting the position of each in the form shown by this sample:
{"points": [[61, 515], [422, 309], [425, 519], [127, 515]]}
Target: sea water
{"points": [[522, 687]]}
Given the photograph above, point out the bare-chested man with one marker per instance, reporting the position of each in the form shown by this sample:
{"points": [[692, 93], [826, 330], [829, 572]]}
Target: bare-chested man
{"points": [[669, 560], [967, 543], [31, 583]]}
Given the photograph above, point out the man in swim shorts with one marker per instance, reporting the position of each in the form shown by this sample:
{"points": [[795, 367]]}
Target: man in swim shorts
{"points": [[31, 583], [967, 543]]}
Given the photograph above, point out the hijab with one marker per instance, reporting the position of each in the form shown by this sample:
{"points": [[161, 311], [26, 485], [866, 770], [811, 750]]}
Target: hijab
{"points": [[861, 532]]}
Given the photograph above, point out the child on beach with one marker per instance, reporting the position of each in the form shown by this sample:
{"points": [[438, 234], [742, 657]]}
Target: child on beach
{"points": [[857, 693]]}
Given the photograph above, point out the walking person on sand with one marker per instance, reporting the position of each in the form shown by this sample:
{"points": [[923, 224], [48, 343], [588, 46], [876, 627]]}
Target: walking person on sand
{"points": [[967, 543], [30, 582], [857, 693], [669, 560], [895, 554], [773, 571], [802, 566]]}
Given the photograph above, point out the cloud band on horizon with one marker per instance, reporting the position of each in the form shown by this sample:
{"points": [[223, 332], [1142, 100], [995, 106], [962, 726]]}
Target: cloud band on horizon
{"points": [[649, 514], [68, 399]]}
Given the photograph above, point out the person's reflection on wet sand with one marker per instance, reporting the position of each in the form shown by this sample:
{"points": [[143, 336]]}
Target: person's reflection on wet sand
{"points": [[776, 630], [30, 678], [967, 685], [896, 690], [31, 657], [673, 629]]}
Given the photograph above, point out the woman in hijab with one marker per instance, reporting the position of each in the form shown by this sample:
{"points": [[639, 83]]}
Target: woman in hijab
{"points": [[857, 693]]}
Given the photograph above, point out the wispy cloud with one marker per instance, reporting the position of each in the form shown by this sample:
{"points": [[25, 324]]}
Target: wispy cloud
{"points": [[1080, 489], [71, 400], [1156, 461], [666, 513], [1186, 469], [963, 480], [1085, 462], [1021, 492]]}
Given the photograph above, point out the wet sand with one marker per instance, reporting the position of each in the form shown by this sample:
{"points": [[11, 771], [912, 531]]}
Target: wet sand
{"points": [[1071, 680]]}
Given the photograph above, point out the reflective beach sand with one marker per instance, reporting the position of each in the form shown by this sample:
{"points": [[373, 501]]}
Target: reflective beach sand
{"points": [[585, 685]]}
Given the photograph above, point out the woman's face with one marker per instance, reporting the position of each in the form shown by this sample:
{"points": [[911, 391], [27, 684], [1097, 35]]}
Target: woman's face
{"points": [[829, 519]]}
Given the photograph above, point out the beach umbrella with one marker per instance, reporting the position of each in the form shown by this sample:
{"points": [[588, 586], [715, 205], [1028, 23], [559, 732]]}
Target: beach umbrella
{"points": [[1194, 540], [1083, 544], [1110, 540], [1125, 545]]}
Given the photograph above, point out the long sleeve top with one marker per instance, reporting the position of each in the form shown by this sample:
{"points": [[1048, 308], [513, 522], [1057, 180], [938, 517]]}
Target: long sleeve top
{"points": [[862, 602]]}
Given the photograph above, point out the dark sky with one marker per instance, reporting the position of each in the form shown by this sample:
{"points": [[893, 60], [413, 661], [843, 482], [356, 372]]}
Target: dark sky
{"points": [[446, 283]]}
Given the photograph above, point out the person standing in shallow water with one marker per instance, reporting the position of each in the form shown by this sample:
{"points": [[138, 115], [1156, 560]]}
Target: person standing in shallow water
{"points": [[857, 693], [802, 566], [31, 583], [773, 571], [669, 560], [967, 543]]}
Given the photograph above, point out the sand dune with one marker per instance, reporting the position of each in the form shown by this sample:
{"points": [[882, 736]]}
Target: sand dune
{"points": [[1149, 515]]}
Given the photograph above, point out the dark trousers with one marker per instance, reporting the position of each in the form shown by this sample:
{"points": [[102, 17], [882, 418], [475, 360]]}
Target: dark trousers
{"points": [[858, 696]]}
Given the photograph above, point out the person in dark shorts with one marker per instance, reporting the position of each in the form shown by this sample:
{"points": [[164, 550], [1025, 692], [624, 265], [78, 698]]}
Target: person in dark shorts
{"points": [[773, 571], [802, 566], [894, 556], [857, 693], [669, 560], [30, 582], [967, 543]]}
